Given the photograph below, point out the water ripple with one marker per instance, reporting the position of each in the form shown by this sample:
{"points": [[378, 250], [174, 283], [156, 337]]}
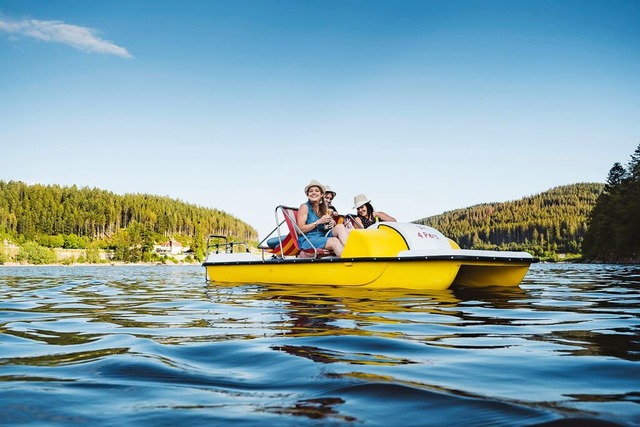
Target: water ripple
{"points": [[158, 346]]}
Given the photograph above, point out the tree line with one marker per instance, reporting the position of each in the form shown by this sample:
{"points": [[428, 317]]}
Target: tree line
{"points": [[72, 217], [614, 222], [549, 224], [599, 222]]}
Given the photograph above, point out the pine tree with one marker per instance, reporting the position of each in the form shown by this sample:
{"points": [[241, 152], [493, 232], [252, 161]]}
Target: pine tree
{"points": [[617, 175], [614, 223], [634, 165]]}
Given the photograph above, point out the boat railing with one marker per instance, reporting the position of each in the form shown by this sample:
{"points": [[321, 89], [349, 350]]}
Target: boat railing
{"points": [[264, 246], [221, 245], [214, 245]]}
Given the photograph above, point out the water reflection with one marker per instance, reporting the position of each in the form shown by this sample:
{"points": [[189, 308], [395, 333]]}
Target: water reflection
{"points": [[580, 319], [332, 310], [598, 307], [313, 408]]}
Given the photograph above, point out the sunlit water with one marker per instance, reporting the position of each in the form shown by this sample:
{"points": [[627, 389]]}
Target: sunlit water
{"points": [[158, 346]]}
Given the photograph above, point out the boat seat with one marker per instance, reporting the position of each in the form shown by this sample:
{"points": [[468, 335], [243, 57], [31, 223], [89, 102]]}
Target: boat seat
{"points": [[287, 248], [287, 245], [290, 218]]}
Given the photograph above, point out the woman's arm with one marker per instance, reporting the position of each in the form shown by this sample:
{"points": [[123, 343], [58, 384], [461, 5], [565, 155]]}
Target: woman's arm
{"points": [[384, 217], [303, 213]]}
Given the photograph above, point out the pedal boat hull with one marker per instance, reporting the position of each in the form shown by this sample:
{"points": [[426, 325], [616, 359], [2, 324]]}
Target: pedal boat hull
{"points": [[390, 255]]}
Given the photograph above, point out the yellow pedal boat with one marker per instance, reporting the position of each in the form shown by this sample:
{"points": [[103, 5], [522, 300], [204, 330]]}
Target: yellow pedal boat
{"points": [[386, 255]]}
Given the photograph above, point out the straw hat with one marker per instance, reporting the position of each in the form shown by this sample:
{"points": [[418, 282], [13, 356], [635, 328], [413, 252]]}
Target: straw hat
{"points": [[328, 189], [360, 200], [314, 183]]}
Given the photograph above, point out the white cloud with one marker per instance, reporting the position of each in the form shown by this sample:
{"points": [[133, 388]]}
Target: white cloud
{"points": [[82, 38]]}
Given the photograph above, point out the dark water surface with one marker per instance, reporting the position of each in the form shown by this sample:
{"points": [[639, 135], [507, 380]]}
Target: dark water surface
{"points": [[143, 345]]}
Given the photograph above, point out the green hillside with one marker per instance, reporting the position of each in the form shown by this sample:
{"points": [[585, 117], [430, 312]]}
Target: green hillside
{"points": [[549, 224], [71, 217]]}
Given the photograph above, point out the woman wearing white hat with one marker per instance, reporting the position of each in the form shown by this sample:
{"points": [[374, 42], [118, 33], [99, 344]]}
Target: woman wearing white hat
{"points": [[366, 215], [329, 195], [314, 221]]}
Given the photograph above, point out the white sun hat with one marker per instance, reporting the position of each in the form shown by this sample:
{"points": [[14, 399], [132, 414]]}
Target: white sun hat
{"points": [[360, 200], [314, 183], [328, 189]]}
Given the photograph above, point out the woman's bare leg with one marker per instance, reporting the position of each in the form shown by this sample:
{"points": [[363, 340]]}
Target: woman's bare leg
{"points": [[341, 232], [334, 244]]}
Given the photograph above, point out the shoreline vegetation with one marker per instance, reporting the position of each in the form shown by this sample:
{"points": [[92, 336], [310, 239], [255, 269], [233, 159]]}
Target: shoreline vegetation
{"points": [[78, 257], [45, 224], [614, 221], [549, 225], [101, 264], [594, 223], [37, 220]]}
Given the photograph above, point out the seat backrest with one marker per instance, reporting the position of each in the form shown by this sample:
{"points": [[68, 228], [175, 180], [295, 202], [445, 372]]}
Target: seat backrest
{"points": [[291, 219], [288, 247]]}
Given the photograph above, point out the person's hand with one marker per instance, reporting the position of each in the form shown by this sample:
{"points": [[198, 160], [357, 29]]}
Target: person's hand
{"points": [[326, 220]]}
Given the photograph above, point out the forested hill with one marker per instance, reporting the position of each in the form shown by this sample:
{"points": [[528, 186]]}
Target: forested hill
{"points": [[546, 224], [28, 212]]}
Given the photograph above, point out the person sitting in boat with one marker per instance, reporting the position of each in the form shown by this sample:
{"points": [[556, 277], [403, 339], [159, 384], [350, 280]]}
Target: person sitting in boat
{"points": [[329, 195], [367, 216], [314, 221], [347, 220]]}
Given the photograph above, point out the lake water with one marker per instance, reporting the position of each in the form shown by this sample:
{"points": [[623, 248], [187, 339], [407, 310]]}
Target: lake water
{"points": [[143, 345]]}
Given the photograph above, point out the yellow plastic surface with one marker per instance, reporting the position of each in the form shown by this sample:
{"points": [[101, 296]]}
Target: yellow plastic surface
{"points": [[378, 242]]}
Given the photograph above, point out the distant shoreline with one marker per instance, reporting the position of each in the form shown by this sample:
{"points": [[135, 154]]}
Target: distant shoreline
{"points": [[101, 264]]}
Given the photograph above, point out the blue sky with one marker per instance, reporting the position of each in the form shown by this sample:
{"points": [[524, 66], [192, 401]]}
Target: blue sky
{"points": [[424, 106]]}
